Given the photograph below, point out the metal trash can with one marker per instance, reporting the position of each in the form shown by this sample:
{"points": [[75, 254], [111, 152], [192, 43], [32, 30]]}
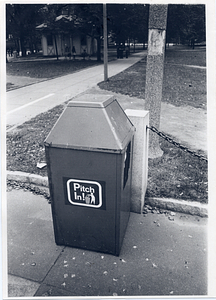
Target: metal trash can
{"points": [[89, 155]]}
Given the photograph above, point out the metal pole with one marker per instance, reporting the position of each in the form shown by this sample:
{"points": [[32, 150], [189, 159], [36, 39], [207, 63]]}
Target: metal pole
{"points": [[105, 42]]}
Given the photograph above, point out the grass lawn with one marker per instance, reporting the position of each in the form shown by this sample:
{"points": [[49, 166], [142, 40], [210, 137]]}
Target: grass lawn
{"points": [[182, 86], [176, 174], [48, 68]]}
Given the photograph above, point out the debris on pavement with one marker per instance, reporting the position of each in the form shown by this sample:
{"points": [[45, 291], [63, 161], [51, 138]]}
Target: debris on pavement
{"points": [[11, 184], [41, 165], [154, 210], [154, 265]]}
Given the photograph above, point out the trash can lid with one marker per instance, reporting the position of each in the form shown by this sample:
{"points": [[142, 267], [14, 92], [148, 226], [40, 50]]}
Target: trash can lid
{"points": [[92, 122], [97, 101]]}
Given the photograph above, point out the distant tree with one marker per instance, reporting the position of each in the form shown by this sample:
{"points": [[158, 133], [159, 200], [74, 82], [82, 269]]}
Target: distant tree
{"points": [[90, 21], [49, 14], [21, 20], [138, 19], [125, 22], [128, 22], [186, 23]]}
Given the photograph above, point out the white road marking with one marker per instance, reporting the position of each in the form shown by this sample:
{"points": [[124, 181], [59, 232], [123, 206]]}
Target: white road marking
{"points": [[30, 103]]}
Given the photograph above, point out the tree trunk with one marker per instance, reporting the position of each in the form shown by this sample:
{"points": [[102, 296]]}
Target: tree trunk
{"points": [[21, 41], [56, 47], [98, 48], [155, 71], [21, 46]]}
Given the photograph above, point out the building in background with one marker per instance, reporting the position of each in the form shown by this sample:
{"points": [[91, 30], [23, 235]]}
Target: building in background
{"points": [[57, 41]]}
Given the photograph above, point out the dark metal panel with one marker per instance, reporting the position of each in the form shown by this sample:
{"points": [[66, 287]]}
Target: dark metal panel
{"points": [[84, 227], [124, 194], [58, 236]]}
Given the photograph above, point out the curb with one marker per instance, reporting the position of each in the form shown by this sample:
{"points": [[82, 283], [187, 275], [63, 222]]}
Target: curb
{"points": [[187, 207], [182, 206]]}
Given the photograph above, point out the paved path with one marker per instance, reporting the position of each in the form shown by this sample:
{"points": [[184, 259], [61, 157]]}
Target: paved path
{"points": [[29, 101], [161, 255]]}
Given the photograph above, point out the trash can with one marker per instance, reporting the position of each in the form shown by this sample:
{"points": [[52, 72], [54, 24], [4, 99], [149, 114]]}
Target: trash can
{"points": [[89, 155]]}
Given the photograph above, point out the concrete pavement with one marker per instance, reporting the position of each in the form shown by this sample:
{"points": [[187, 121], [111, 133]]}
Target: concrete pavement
{"points": [[27, 102], [162, 254]]}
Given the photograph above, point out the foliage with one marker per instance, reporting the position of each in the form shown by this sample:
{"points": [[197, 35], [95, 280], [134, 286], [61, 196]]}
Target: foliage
{"points": [[128, 22], [186, 23], [91, 22], [21, 22]]}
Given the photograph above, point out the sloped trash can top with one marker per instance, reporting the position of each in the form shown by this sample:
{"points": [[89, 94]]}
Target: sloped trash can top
{"points": [[89, 157], [92, 122]]}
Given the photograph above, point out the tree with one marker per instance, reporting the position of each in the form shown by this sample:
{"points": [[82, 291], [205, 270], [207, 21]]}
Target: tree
{"points": [[186, 23], [49, 15], [128, 22], [90, 20], [21, 20], [125, 22]]}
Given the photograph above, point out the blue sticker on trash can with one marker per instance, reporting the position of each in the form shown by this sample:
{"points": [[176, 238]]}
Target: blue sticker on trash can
{"points": [[84, 192]]}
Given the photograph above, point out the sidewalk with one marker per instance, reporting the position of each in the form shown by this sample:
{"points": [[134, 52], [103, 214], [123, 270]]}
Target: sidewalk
{"points": [[161, 255]]}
